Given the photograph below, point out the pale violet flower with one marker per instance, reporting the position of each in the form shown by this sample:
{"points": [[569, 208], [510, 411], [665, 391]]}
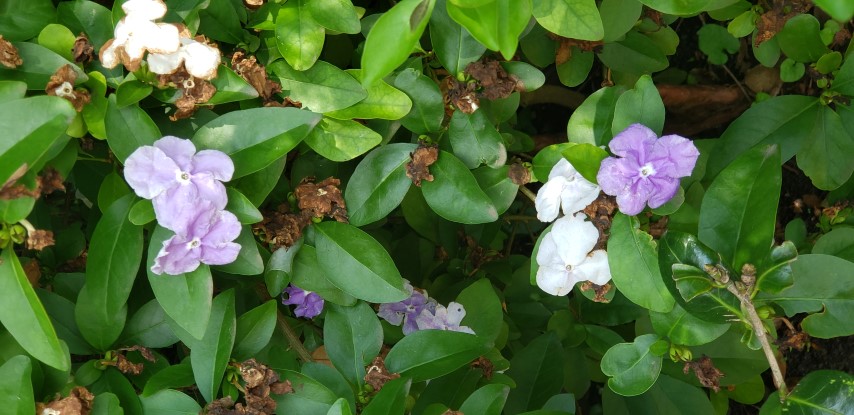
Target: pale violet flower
{"points": [[648, 168], [565, 256], [408, 310], [566, 189], [137, 33], [308, 303], [198, 58], [443, 318], [175, 177], [206, 239]]}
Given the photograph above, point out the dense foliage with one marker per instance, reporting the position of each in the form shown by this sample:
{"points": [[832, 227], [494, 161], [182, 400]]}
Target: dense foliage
{"points": [[425, 206]]}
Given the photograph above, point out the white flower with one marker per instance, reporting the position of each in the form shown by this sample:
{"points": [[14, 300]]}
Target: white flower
{"points": [[565, 259], [199, 59], [566, 188], [137, 33]]}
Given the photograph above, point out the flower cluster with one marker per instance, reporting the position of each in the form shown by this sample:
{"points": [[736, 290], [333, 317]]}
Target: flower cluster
{"points": [[309, 304], [648, 168], [169, 46], [188, 196], [420, 312]]}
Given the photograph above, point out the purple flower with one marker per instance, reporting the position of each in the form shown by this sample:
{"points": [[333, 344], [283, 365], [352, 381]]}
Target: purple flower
{"points": [[648, 169], [205, 239], [407, 311], [175, 177], [443, 318], [309, 304]]}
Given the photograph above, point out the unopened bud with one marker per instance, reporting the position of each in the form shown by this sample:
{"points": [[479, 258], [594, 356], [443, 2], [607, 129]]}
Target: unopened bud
{"points": [[765, 311], [17, 233], [748, 275]]}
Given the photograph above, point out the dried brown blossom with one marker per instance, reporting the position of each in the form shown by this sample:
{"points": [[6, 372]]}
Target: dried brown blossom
{"points": [[423, 157], [322, 199], [519, 174], [61, 84], [377, 375], [83, 51], [493, 80], [39, 239], [600, 292], [484, 365], [601, 212], [772, 21], [281, 228], [126, 366], [459, 95], [260, 381], [51, 181], [253, 72], [194, 92], [47, 183], [706, 372], [78, 402], [9, 54]]}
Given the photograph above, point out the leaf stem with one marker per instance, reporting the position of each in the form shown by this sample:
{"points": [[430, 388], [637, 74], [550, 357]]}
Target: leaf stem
{"points": [[527, 192]]}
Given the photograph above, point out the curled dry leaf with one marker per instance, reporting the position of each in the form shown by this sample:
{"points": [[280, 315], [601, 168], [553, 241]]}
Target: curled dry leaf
{"points": [[422, 158], [706, 372], [260, 382], [322, 199], [78, 402], [83, 51], [493, 80], [9, 54], [377, 375], [253, 72], [39, 239], [61, 84], [565, 45]]}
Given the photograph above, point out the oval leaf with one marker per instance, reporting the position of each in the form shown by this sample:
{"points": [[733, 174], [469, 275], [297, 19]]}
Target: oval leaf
{"points": [[454, 193], [428, 354]]}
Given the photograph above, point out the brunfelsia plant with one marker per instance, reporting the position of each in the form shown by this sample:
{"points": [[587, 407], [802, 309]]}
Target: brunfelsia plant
{"points": [[226, 207]]}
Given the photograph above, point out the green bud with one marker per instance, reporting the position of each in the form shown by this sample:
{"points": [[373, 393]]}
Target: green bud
{"points": [[680, 353], [765, 312], [17, 233]]}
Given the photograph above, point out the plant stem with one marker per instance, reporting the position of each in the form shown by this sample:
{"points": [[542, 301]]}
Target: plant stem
{"points": [[525, 191], [287, 330]]}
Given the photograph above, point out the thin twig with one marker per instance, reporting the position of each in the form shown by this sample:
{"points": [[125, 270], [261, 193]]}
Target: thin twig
{"points": [[737, 82], [525, 191], [287, 330]]}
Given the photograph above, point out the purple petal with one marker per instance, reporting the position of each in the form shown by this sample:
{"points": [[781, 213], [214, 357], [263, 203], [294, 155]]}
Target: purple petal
{"points": [[611, 177], [179, 150], [215, 163], [295, 294], [224, 228], [427, 321], [681, 153], [221, 254], [150, 172], [410, 323], [633, 142], [176, 257], [176, 208], [310, 307], [392, 312], [664, 189], [210, 189], [634, 200]]}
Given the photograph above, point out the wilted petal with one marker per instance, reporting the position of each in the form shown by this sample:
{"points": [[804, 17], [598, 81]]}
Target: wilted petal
{"points": [[633, 142], [165, 63], [201, 60], [554, 280], [178, 149], [149, 171], [163, 38], [145, 9], [108, 54], [140, 32], [595, 268], [574, 238], [213, 162], [392, 312], [681, 153], [577, 194], [456, 313], [176, 257], [664, 188], [548, 199], [428, 321]]}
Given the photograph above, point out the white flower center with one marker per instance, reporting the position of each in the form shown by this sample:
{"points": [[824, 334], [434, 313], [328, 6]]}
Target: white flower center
{"points": [[65, 91], [182, 177], [569, 267], [646, 170], [188, 84], [194, 243]]}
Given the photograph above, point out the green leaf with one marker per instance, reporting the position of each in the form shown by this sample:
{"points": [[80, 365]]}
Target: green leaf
{"points": [[249, 261], [342, 140], [176, 376], [89, 17], [131, 92], [378, 184], [484, 314], [185, 298], [496, 24], [357, 263], [115, 253], [404, 22], [148, 327], [16, 389], [257, 137], [277, 275], [546, 159], [776, 272], [141, 213], [210, 355], [115, 383], [453, 44], [575, 19], [340, 407], [242, 207], [39, 64], [800, 39], [618, 17], [12, 90], [823, 157], [667, 396], [839, 242], [128, 128], [57, 38], [384, 102], [529, 78], [488, 400], [631, 366], [586, 158], [715, 41], [843, 82], [497, 185], [335, 15], [574, 71], [321, 88], [24, 19], [730, 355], [428, 106], [298, 36], [591, 122], [61, 313], [475, 140], [310, 398], [538, 372], [254, 330], [840, 10], [636, 55], [221, 20], [257, 186], [819, 392], [429, 354], [112, 188], [454, 193], [230, 87], [681, 260], [33, 126], [634, 265], [170, 402], [642, 104], [681, 327], [739, 210], [353, 337], [309, 275], [678, 7], [391, 399], [824, 286]]}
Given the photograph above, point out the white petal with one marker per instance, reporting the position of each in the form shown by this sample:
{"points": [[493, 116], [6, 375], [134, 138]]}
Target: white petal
{"points": [[163, 38], [108, 56], [165, 63], [145, 9], [123, 31], [595, 268], [139, 33], [201, 60], [577, 194], [563, 168], [456, 313], [547, 253], [574, 237], [548, 199], [555, 281]]}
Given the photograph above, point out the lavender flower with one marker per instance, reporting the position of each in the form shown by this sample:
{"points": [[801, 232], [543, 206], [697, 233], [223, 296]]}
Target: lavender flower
{"points": [[565, 259], [408, 310], [205, 239], [648, 169], [175, 177], [566, 189], [443, 318], [309, 304]]}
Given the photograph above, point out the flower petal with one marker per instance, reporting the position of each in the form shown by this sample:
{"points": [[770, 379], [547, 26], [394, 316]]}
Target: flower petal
{"points": [[213, 162], [176, 208], [547, 254], [633, 142], [211, 190], [427, 320], [165, 63], [664, 188], [574, 237], [563, 168], [681, 153], [176, 257], [150, 172], [392, 312], [554, 281], [145, 9], [108, 54], [632, 202], [220, 254], [577, 194], [548, 199], [179, 150], [295, 294], [611, 178], [163, 38], [456, 313], [201, 60], [595, 268], [224, 228]]}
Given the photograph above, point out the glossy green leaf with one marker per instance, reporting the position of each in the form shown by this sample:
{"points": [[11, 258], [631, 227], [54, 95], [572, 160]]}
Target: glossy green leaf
{"points": [[678, 7], [681, 327], [89, 17], [16, 389], [546, 159], [800, 39], [169, 401], [637, 54], [528, 77], [131, 92], [357, 263], [475, 140], [667, 396], [484, 313], [823, 158], [342, 140], [632, 368], [210, 354], [428, 106], [230, 87], [839, 242], [23, 19], [822, 283], [310, 398], [383, 101], [378, 184], [255, 138], [61, 313], [115, 253], [819, 392], [775, 274], [391, 399], [57, 38], [176, 376], [309, 275], [538, 372], [340, 407], [429, 354], [12, 90], [254, 330], [404, 22], [496, 183], [39, 63], [633, 261], [128, 128], [454, 46], [257, 186], [840, 10], [321, 88], [242, 207], [496, 24], [141, 213], [185, 298], [115, 383], [336, 15], [575, 19], [591, 122], [221, 20], [353, 337], [148, 327], [277, 275], [738, 213], [488, 400], [641, 104], [112, 188], [586, 158], [298, 36], [454, 193], [574, 71], [618, 17], [716, 42]]}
